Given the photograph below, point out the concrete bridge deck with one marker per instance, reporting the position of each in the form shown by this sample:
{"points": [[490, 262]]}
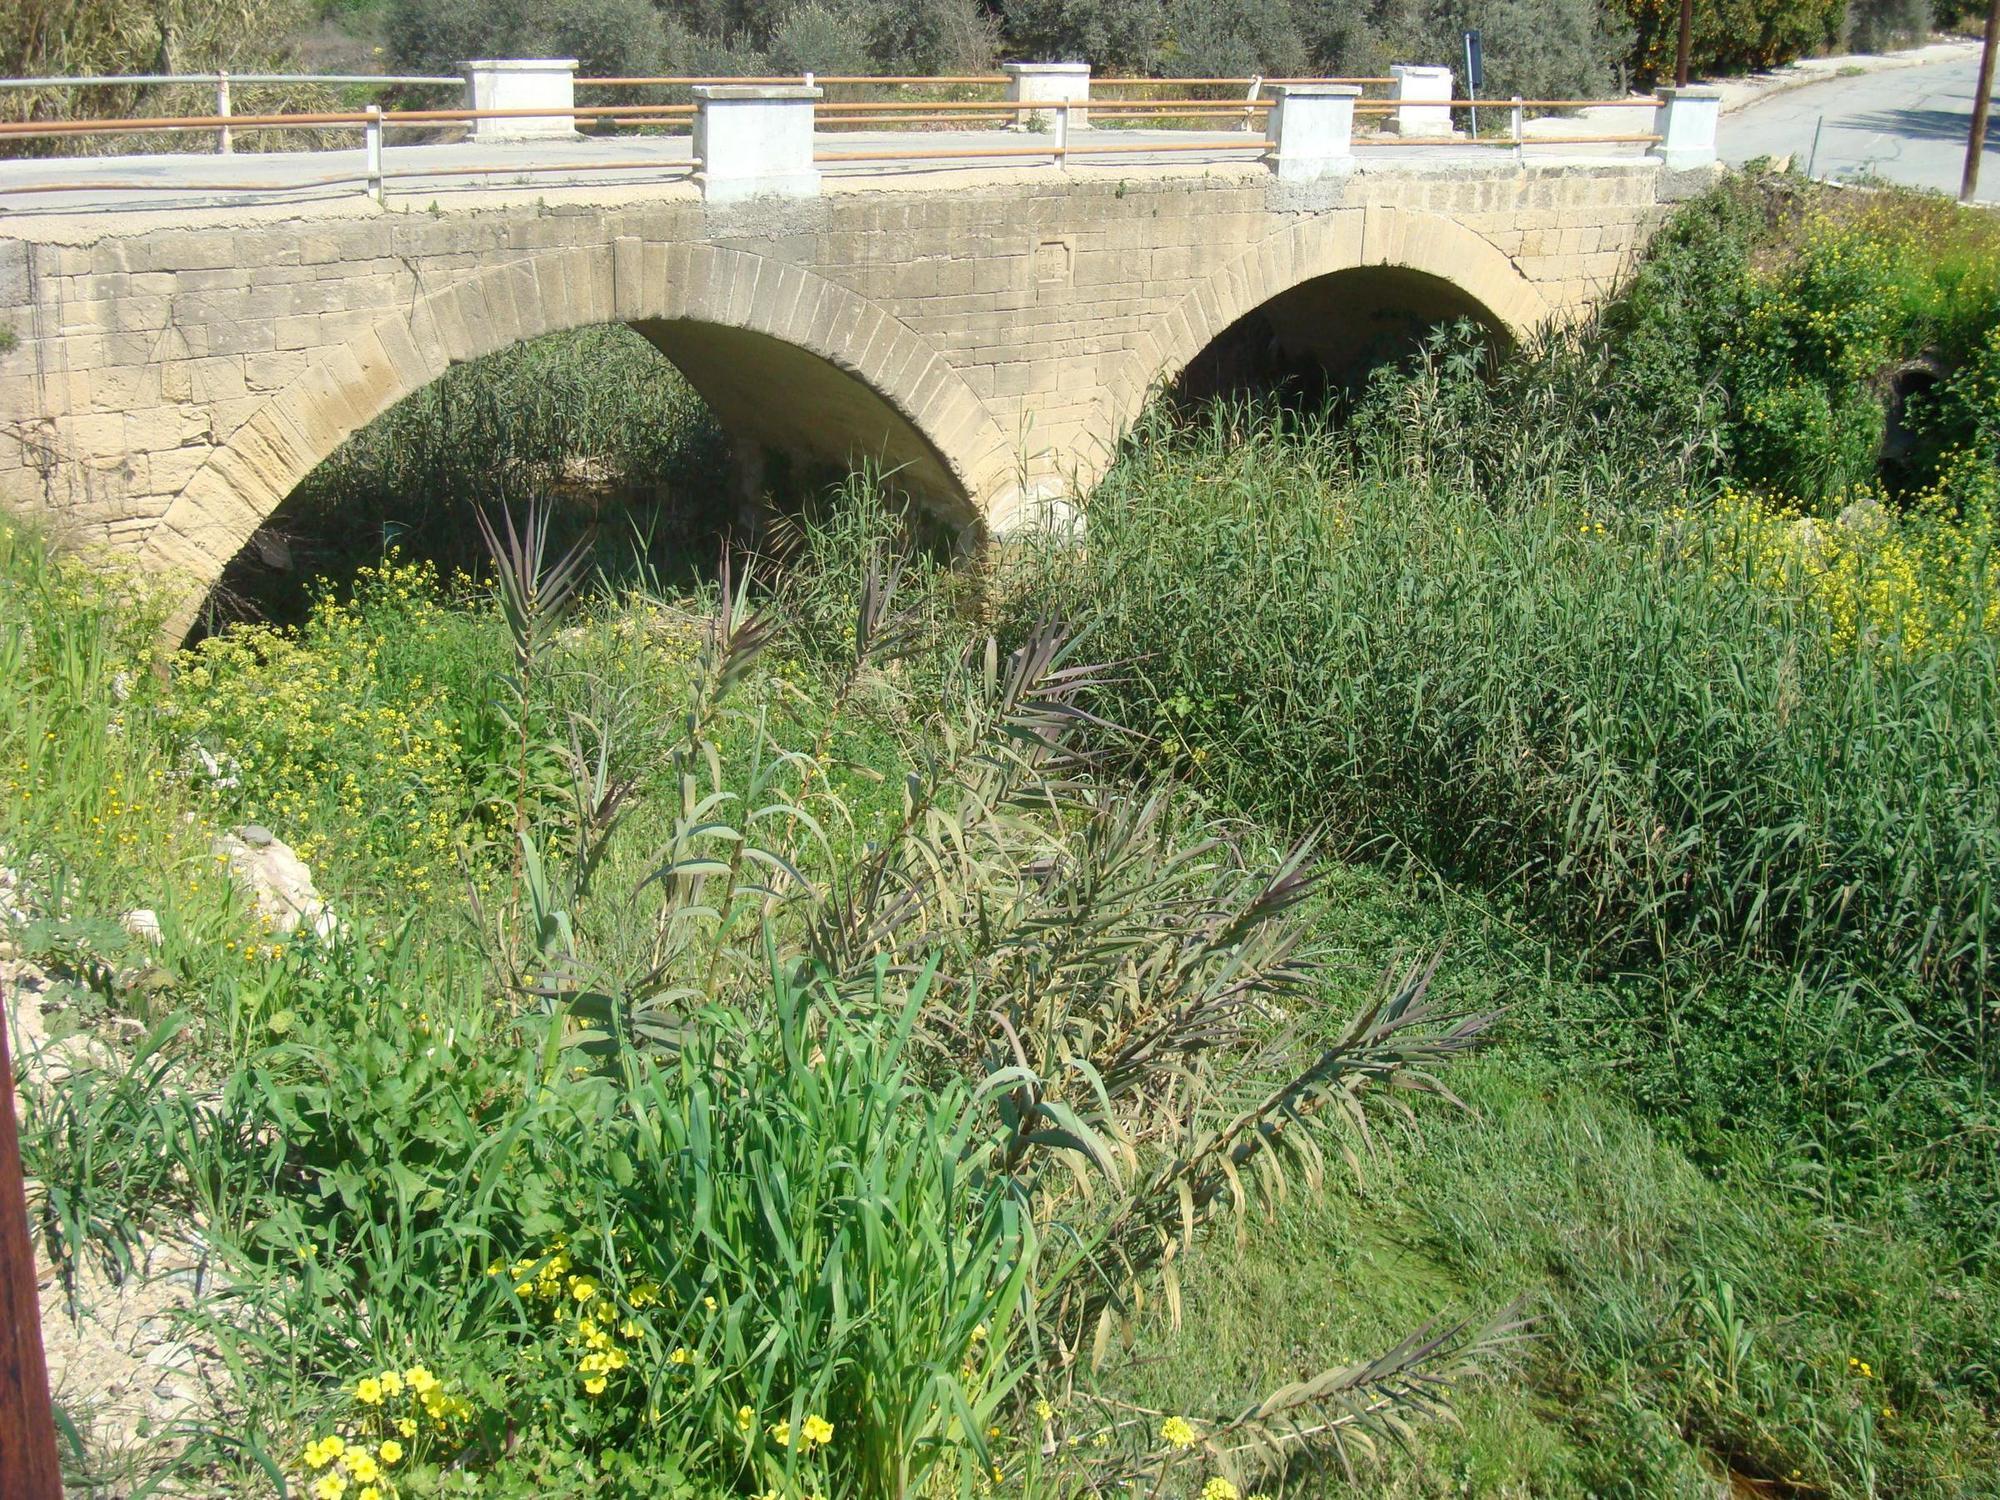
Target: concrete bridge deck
{"points": [[986, 326]]}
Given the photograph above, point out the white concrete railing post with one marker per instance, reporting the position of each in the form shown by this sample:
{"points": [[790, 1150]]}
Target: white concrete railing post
{"points": [[1048, 83], [223, 144], [1312, 130], [522, 83], [1423, 100], [755, 141], [1686, 122], [1518, 124], [1062, 113], [371, 140]]}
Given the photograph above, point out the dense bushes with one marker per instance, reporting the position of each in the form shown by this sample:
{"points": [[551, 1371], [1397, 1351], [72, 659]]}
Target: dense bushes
{"points": [[1622, 720], [594, 415], [1733, 36], [608, 38], [638, 37], [1624, 713], [1635, 635], [1538, 48]]}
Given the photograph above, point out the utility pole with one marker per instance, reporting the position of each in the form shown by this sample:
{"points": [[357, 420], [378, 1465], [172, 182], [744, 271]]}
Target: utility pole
{"points": [[29, 1468], [1975, 143], [1681, 44]]}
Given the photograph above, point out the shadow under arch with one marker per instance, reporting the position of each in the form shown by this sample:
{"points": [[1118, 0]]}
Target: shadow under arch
{"points": [[1330, 332], [786, 359], [1329, 286]]}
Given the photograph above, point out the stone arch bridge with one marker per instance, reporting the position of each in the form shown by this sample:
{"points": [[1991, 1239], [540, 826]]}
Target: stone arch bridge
{"points": [[171, 376]]}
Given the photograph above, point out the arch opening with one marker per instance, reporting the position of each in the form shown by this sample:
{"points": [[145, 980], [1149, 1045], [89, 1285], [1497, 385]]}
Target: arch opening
{"points": [[661, 437], [1320, 340]]}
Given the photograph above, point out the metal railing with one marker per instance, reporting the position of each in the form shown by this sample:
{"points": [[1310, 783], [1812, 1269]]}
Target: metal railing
{"points": [[222, 82]]}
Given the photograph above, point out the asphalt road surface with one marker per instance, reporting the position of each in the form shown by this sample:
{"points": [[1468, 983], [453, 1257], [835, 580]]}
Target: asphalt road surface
{"points": [[1904, 125]]}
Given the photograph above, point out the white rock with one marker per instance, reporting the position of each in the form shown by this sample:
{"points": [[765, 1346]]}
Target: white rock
{"points": [[143, 922], [278, 879]]}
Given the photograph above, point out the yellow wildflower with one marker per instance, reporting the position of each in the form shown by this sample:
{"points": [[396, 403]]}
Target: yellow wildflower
{"points": [[1178, 1432], [390, 1452], [368, 1391], [817, 1430], [1219, 1488], [746, 1416]]}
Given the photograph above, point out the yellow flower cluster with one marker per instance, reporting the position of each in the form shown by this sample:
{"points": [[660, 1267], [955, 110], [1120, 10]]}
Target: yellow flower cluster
{"points": [[1178, 1432], [1916, 581], [399, 1407], [814, 1432], [319, 746], [598, 1333], [345, 1463]]}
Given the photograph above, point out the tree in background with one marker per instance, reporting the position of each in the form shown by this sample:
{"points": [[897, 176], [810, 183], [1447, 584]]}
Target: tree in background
{"points": [[1880, 25], [709, 37], [1118, 36], [608, 38], [1229, 39], [1540, 49], [1537, 48], [1731, 36]]}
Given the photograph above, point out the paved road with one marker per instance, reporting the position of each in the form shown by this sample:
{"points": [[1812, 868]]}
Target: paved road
{"points": [[1907, 125]]}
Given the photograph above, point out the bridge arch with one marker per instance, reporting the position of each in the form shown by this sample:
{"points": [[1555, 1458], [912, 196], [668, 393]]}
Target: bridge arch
{"points": [[1373, 256], [785, 357]]}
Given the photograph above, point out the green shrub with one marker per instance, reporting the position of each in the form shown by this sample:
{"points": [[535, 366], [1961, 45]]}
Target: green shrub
{"points": [[1735, 36], [1540, 49], [819, 38], [1627, 726], [934, 37], [304, 732], [1883, 25], [609, 38], [1202, 40], [1114, 36]]}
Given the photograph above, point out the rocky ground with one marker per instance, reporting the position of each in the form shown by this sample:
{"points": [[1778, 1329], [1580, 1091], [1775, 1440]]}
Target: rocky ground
{"points": [[119, 1368], [123, 1370]]}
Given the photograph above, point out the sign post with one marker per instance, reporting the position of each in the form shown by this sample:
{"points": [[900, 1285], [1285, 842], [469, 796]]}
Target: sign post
{"points": [[1475, 76]]}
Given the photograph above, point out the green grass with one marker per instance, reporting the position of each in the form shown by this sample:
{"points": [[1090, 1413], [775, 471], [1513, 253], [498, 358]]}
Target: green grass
{"points": [[1696, 1319]]}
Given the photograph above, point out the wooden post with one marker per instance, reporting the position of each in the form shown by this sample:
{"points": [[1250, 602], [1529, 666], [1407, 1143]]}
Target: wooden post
{"points": [[1682, 43], [1975, 143], [29, 1469]]}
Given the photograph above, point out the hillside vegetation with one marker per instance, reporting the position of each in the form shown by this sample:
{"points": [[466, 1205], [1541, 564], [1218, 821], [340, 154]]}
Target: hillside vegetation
{"points": [[1490, 990]]}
